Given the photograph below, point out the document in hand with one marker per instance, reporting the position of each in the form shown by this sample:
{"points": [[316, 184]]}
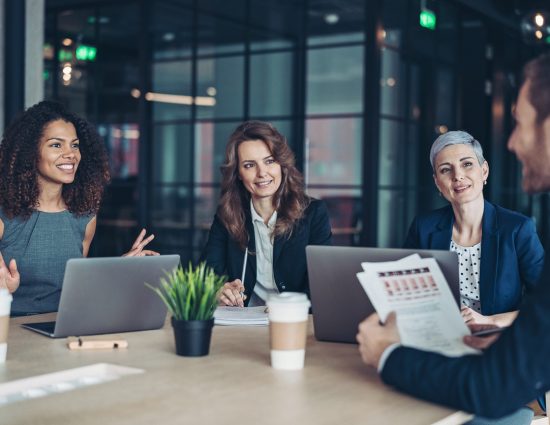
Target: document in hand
{"points": [[427, 315], [243, 316]]}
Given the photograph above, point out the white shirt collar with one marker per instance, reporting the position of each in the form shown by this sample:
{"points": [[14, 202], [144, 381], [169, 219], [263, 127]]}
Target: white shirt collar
{"points": [[257, 217]]}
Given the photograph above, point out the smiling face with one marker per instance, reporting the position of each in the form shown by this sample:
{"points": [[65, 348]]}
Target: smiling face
{"points": [[458, 175], [260, 173], [530, 141], [59, 153]]}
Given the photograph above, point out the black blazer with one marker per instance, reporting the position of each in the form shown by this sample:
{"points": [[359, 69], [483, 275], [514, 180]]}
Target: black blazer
{"points": [[508, 375], [224, 255], [512, 256]]}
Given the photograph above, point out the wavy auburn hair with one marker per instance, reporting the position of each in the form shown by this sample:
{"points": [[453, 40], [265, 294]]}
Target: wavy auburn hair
{"points": [[289, 200], [20, 154]]}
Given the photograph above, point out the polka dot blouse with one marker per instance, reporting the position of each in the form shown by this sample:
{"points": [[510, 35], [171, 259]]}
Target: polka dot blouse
{"points": [[469, 260]]}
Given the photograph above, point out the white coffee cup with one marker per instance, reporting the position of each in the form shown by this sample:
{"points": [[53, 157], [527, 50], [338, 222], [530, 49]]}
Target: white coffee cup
{"points": [[5, 306], [288, 321]]}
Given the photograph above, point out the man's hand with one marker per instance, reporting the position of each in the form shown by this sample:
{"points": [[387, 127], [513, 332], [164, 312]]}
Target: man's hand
{"points": [[374, 338], [481, 342]]}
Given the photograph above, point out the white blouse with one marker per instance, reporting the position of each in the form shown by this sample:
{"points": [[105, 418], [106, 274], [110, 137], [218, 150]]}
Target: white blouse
{"points": [[265, 281], [469, 261]]}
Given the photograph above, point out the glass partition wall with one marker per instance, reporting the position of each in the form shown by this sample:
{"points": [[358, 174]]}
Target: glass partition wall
{"points": [[359, 88]]}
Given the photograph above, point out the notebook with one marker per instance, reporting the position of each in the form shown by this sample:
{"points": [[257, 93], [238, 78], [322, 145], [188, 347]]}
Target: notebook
{"points": [[338, 301], [241, 316], [108, 295]]}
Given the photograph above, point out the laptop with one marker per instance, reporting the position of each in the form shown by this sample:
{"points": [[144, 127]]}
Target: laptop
{"points": [[108, 295], [339, 302]]}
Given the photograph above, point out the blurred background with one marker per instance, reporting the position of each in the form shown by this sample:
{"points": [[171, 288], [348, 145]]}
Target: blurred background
{"points": [[361, 88]]}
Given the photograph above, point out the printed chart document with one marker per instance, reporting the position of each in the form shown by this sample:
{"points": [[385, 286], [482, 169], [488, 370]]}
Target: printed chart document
{"points": [[242, 316], [427, 315]]}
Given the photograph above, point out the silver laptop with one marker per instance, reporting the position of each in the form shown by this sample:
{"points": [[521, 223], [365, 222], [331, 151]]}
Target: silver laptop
{"points": [[108, 295], [338, 301]]}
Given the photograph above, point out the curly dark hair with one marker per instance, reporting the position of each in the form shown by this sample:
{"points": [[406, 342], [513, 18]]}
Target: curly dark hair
{"points": [[290, 200], [19, 156]]}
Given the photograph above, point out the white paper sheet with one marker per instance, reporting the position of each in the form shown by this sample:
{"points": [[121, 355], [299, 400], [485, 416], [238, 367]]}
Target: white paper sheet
{"points": [[242, 316], [427, 315], [65, 380]]}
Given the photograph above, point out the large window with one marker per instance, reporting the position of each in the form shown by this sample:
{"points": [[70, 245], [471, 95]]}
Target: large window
{"points": [[359, 99]]}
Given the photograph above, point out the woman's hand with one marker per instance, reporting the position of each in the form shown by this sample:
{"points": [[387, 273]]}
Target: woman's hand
{"points": [[9, 276], [232, 294], [472, 317], [140, 243]]}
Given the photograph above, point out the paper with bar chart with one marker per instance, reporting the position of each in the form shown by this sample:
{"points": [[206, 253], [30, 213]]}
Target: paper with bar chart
{"points": [[427, 315]]}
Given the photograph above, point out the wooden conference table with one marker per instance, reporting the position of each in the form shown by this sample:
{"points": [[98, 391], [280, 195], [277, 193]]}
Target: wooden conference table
{"points": [[233, 385]]}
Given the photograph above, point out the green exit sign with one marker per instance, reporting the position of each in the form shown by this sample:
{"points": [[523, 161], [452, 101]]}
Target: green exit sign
{"points": [[65, 55], [86, 53], [427, 19]]}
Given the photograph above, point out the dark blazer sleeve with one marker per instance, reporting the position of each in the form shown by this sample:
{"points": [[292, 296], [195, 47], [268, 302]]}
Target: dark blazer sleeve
{"points": [[215, 252], [413, 241], [530, 255], [321, 233], [289, 254], [511, 373]]}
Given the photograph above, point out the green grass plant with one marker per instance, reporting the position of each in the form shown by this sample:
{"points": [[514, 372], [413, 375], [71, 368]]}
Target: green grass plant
{"points": [[191, 293]]}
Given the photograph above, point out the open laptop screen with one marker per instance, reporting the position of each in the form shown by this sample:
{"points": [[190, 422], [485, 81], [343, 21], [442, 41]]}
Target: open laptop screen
{"points": [[108, 295], [338, 301]]}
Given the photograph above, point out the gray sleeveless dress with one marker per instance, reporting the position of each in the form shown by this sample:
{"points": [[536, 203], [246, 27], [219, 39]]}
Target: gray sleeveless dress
{"points": [[41, 245]]}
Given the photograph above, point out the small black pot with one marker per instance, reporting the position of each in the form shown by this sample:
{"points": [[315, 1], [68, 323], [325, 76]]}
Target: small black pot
{"points": [[192, 337]]}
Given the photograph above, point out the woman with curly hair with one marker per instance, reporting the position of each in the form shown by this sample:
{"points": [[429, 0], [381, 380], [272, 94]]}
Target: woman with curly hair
{"points": [[264, 219], [54, 169]]}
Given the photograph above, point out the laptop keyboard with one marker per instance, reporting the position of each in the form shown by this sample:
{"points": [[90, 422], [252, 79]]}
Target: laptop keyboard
{"points": [[47, 327]]}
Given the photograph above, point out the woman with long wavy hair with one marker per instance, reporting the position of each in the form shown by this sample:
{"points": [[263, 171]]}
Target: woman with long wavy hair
{"points": [[54, 169], [264, 219]]}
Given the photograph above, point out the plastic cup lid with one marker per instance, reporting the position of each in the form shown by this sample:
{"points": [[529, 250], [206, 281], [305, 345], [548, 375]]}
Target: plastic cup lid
{"points": [[288, 298]]}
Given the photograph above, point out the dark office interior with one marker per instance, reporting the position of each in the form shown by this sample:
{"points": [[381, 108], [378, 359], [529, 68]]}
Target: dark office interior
{"points": [[360, 88]]}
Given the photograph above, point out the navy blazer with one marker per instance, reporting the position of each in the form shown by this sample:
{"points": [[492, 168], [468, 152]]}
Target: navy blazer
{"points": [[509, 374], [224, 255], [512, 256]]}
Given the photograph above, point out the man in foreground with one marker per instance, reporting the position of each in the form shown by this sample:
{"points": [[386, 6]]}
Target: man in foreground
{"points": [[514, 368]]}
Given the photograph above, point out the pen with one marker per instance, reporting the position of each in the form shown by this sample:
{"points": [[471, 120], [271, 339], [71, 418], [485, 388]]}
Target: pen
{"points": [[244, 270], [80, 344]]}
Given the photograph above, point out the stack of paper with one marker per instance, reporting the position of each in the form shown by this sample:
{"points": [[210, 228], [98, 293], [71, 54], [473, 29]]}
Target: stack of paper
{"points": [[427, 315], [243, 316]]}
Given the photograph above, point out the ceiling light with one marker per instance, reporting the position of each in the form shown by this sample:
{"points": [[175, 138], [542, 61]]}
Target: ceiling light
{"points": [[441, 129], [180, 99], [535, 26], [332, 18], [168, 36]]}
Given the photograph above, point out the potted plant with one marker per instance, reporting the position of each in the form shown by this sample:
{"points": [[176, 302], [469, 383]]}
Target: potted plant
{"points": [[191, 296]]}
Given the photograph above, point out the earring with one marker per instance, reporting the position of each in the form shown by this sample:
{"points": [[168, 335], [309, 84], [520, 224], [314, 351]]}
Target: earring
{"points": [[484, 182]]}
